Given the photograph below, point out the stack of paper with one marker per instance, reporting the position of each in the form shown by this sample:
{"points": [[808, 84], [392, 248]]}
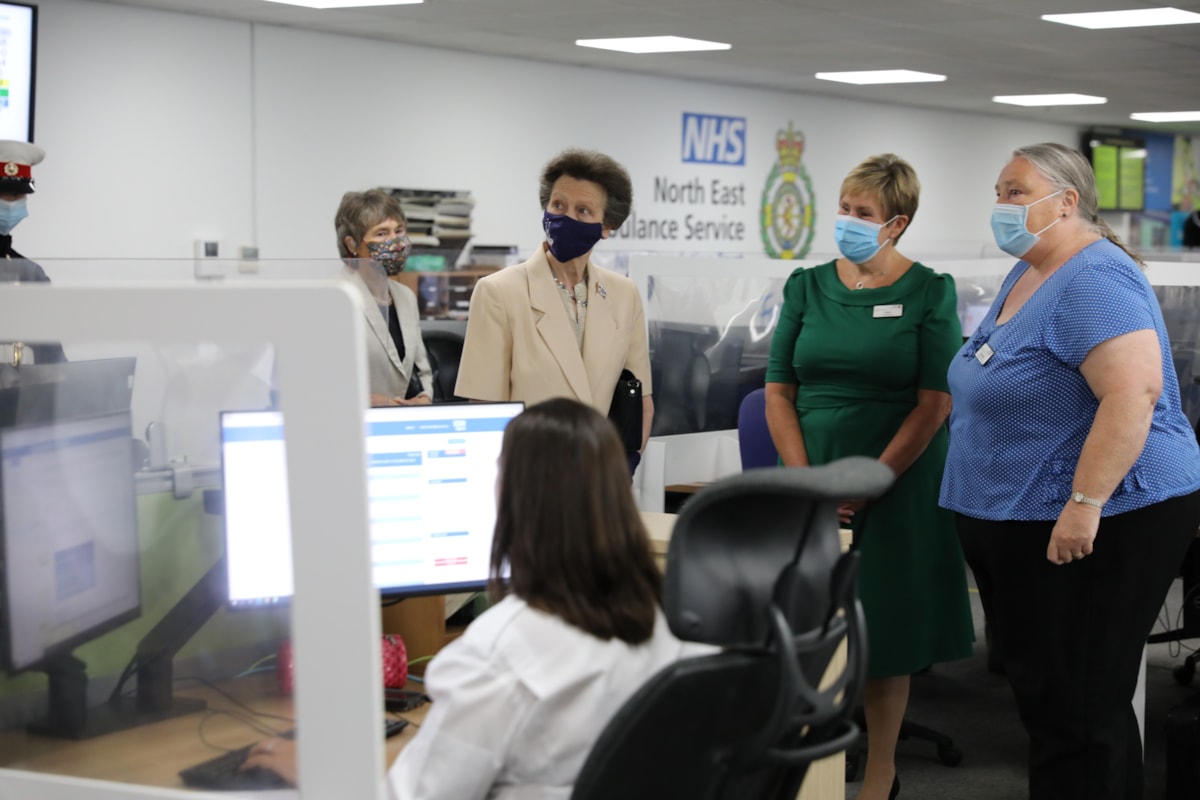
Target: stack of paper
{"points": [[439, 218]]}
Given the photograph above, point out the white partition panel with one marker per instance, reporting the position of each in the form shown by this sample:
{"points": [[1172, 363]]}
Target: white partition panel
{"points": [[335, 612]]}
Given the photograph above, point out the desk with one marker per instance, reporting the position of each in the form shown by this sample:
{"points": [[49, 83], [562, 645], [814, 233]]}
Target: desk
{"points": [[686, 488], [421, 623], [659, 525], [826, 778], [152, 755]]}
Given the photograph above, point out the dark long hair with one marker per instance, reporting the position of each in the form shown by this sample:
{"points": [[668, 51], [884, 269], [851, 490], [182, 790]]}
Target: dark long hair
{"points": [[567, 525]]}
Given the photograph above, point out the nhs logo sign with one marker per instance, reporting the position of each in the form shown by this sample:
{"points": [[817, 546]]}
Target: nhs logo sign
{"points": [[709, 139]]}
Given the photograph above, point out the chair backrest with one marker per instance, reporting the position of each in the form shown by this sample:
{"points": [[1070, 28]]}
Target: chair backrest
{"points": [[444, 349], [682, 376], [754, 438], [754, 566]]}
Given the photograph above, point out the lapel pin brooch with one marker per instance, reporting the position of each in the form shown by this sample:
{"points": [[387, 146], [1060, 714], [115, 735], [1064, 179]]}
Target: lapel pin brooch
{"points": [[600, 291]]}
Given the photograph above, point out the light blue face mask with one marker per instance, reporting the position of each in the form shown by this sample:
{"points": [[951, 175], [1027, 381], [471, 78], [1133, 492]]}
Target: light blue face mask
{"points": [[858, 239], [1009, 228], [11, 212]]}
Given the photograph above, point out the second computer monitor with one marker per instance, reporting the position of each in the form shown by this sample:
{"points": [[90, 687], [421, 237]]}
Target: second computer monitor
{"points": [[69, 537], [431, 477]]}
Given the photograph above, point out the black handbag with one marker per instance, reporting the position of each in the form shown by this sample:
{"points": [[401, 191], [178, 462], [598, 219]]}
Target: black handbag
{"points": [[626, 410]]}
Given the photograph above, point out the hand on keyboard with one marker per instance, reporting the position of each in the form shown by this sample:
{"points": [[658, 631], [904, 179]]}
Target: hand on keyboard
{"points": [[276, 755], [229, 771], [268, 764]]}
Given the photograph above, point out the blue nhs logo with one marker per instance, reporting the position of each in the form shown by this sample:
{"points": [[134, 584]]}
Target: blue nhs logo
{"points": [[709, 139]]}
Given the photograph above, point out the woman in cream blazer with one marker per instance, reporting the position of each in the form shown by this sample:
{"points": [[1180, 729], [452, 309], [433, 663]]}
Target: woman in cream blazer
{"points": [[558, 325], [373, 242]]}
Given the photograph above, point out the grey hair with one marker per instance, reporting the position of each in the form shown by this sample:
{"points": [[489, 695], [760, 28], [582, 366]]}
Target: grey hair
{"points": [[1066, 168], [359, 212]]}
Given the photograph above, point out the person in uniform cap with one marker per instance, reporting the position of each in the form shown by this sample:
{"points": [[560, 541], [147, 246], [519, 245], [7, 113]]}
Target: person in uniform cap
{"points": [[16, 181]]}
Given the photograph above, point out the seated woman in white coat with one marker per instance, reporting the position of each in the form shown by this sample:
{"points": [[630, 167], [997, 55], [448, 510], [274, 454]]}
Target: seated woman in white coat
{"points": [[520, 698], [373, 241]]}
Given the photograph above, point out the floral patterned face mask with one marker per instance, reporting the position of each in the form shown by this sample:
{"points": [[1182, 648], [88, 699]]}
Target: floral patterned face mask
{"points": [[391, 253]]}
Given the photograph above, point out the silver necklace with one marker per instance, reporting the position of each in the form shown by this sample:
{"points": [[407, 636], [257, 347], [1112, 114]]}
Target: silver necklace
{"points": [[568, 292], [860, 285]]}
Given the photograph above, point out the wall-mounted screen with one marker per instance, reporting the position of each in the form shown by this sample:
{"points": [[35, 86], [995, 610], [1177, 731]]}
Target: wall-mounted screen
{"points": [[1119, 162], [18, 69]]}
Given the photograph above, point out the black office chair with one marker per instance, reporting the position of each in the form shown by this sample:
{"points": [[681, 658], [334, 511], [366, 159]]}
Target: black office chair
{"points": [[1189, 621], [757, 449], [444, 349], [947, 750], [755, 567], [681, 376]]}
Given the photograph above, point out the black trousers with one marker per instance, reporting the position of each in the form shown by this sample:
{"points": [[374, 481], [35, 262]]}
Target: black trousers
{"points": [[1071, 638]]}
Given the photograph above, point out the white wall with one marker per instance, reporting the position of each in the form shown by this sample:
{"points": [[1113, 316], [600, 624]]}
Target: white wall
{"points": [[145, 118], [162, 128]]}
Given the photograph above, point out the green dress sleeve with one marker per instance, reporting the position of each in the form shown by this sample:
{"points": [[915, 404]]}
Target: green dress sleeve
{"points": [[941, 333], [787, 331]]}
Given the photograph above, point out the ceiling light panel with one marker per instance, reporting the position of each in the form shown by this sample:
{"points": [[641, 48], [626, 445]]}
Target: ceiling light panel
{"points": [[325, 4], [653, 44], [1132, 18], [880, 76], [1050, 100], [1167, 116]]}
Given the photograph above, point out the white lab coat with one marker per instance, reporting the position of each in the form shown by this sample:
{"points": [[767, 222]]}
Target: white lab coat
{"points": [[518, 701]]}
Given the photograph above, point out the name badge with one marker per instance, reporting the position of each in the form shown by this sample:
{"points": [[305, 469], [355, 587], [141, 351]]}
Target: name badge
{"points": [[895, 310], [983, 354]]}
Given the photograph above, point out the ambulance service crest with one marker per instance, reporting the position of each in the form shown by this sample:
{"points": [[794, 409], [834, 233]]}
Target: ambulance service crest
{"points": [[787, 214]]}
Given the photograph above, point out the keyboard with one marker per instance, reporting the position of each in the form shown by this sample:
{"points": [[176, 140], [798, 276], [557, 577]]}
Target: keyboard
{"points": [[225, 772]]}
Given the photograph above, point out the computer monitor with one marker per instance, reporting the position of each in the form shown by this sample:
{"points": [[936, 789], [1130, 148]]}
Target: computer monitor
{"points": [[40, 393], [431, 476], [18, 40], [69, 550]]}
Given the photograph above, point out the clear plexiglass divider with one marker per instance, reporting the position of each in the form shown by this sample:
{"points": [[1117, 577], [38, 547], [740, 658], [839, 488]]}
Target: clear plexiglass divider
{"points": [[156, 591]]}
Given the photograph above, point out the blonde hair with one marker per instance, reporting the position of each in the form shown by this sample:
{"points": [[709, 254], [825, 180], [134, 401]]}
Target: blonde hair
{"points": [[892, 180]]}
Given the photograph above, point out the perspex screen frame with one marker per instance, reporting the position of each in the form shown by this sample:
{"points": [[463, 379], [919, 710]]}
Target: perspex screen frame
{"points": [[322, 382]]}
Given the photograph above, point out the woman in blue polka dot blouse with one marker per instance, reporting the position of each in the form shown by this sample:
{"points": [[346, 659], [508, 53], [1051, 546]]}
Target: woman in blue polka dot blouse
{"points": [[1073, 471]]}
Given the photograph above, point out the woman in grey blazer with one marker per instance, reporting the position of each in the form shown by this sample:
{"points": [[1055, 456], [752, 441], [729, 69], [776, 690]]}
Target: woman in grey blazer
{"points": [[373, 242]]}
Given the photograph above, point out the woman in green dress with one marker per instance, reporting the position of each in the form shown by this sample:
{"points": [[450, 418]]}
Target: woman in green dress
{"points": [[858, 367]]}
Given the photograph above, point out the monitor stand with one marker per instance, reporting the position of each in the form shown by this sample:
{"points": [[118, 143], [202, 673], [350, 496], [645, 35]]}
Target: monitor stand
{"points": [[69, 716]]}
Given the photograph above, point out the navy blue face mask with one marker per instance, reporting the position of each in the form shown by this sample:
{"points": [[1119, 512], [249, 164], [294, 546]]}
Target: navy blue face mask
{"points": [[569, 238]]}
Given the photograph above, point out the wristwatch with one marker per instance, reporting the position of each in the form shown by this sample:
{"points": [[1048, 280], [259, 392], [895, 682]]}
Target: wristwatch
{"points": [[1080, 497]]}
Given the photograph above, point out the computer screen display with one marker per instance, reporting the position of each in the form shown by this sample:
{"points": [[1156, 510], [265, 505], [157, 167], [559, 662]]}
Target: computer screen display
{"points": [[18, 65], [69, 547], [431, 477]]}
